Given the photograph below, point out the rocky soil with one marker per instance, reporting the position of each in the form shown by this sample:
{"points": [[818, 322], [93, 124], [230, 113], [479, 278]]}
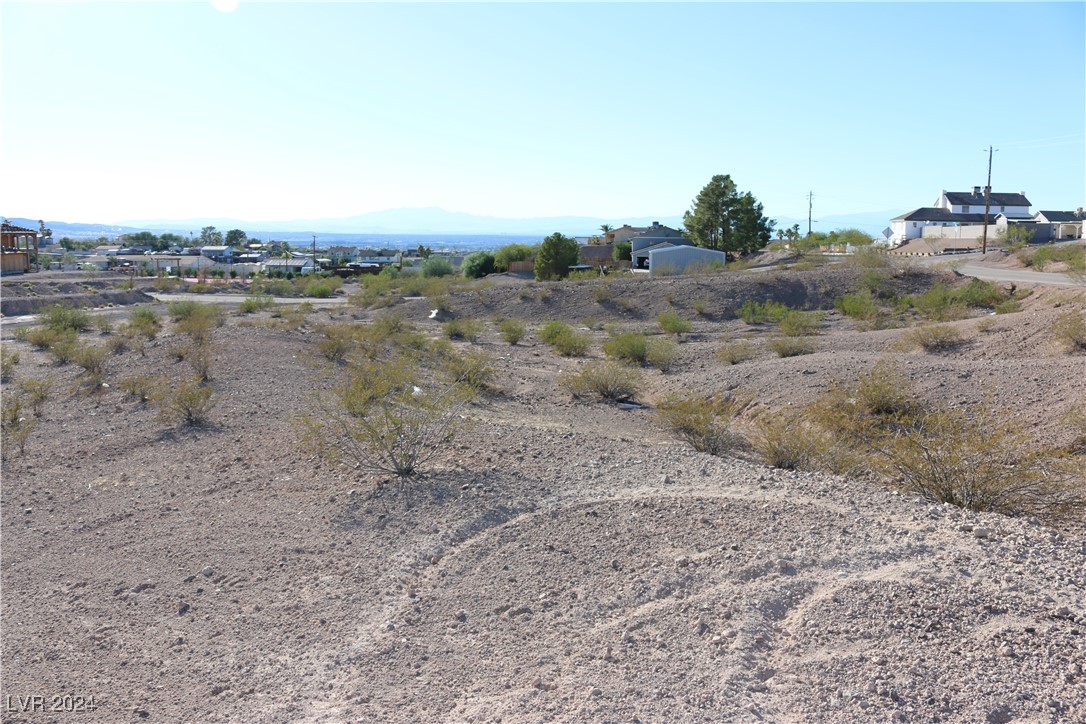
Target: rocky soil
{"points": [[565, 561]]}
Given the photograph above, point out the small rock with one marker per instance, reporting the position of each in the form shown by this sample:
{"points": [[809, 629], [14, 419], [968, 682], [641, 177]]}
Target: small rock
{"points": [[182, 608], [594, 692], [981, 533], [208, 571], [665, 480], [682, 561]]}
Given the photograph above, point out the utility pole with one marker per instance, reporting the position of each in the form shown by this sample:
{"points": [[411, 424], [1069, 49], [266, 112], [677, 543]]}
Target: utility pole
{"points": [[810, 206], [314, 252], [987, 204]]}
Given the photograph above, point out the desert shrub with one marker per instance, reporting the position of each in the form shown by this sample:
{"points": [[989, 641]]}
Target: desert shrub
{"points": [[791, 346], [602, 293], [552, 329], [187, 404], [179, 311], [672, 323], [630, 347], [8, 360], [512, 330], [661, 354], [980, 460], [981, 294], [318, 288], [201, 288], [477, 264], [800, 324], [583, 275], [940, 304], [986, 325], [463, 328], [199, 358], [16, 425], [783, 441], [592, 323], [700, 306], [753, 312], [65, 349], [735, 352], [606, 380], [858, 305], [384, 422], [196, 319], [144, 321], [256, 303], [884, 391], [280, 288], [437, 266], [1069, 331], [707, 424], [1008, 306], [92, 359], [44, 338], [571, 344], [869, 257], [140, 388], [626, 305], [933, 337], [473, 369], [37, 393], [165, 284], [103, 324], [63, 317], [1074, 256], [337, 342]]}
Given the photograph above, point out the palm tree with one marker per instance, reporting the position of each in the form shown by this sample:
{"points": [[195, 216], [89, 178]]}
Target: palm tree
{"points": [[606, 227]]}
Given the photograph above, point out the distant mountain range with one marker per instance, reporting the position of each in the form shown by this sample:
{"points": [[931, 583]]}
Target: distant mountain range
{"points": [[421, 221]]}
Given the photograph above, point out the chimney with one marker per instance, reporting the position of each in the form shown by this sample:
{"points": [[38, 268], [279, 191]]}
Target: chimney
{"points": [[656, 224], [976, 190], [1078, 212]]}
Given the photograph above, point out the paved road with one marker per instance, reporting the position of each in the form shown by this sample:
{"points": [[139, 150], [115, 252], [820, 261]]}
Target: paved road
{"points": [[1018, 276], [239, 298]]}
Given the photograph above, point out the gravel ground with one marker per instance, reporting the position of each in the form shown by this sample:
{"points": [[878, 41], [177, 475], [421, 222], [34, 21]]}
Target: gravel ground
{"points": [[565, 561]]}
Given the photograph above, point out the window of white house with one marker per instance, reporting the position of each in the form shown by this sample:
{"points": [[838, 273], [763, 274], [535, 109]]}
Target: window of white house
{"points": [[914, 224], [965, 209]]}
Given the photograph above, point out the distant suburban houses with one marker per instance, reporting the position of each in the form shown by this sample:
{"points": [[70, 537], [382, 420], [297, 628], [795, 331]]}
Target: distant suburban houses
{"points": [[656, 249], [957, 222]]}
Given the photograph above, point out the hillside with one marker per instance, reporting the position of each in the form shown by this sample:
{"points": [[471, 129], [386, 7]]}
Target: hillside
{"points": [[564, 560]]}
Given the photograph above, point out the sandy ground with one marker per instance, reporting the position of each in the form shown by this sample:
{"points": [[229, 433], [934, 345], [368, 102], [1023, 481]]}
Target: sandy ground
{"points": [[565, 561]]}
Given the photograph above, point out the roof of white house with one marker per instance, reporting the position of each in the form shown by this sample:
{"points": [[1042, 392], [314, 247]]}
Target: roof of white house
{"points": [[216, 248], [968, 198], [1061, 216], [933, 213]]}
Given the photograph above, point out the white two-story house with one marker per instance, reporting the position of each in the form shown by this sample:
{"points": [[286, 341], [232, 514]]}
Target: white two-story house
{"points": [[957, 209]]}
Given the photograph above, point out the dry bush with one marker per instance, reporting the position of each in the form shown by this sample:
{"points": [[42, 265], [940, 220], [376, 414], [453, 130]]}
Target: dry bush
{"points": [[552, 329], [472, 369], [338, 341], [707, 424], [188, 404], [986, 325], [512, 330], [630, 347], [606, 380], [791, 346], [384, 422], [144, 321], [784, 440], [933, 337], [463, 328], [200, 357], [37, 392], [140, 388], [16, 425], [735, 352], [8, 360], [661, 354], [800, 324], [103, 323], [672, 323], [256, 303], [64, 317], [44, 338], [92, 360], [1069, 331], [981, 461], [65, 349]]}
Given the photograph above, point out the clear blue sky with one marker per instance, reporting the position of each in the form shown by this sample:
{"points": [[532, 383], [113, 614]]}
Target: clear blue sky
{"points": [[279, 111]]}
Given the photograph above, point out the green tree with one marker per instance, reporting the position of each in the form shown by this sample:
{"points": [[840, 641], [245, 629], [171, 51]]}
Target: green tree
{"points": [[424, 251], [722, 218], [236, 237], [622, 251], [209, 236], [556, 254], [1015, 236], [605, 228], [45, 233], [510, 253], [168, 240], [477, 264]]}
